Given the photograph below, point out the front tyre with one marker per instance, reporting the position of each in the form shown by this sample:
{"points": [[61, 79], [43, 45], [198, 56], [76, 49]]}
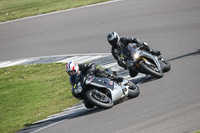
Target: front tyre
{"points": [[166, 66], [150, 69], [88, 105], [99, 99]]}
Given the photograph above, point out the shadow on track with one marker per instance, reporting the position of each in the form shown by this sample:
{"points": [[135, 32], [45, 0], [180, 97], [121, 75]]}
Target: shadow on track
{"points": [[179, 57], [52, 121], [149, 78]]}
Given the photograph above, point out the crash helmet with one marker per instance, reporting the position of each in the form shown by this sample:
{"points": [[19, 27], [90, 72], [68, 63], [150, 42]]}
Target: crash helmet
{"points": [[72, 68], [113, 38]]}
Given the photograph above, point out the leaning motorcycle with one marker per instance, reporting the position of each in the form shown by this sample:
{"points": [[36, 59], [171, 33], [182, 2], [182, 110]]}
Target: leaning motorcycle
{"points": [[142, 61], [101, 92]]}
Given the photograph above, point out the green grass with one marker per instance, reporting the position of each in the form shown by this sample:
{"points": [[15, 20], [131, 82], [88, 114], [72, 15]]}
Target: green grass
{"points": [[29, 93], [14, 9]]}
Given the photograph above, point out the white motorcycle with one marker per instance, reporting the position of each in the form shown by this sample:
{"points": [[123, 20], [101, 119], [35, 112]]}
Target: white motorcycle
{"points": [[101, 92]]}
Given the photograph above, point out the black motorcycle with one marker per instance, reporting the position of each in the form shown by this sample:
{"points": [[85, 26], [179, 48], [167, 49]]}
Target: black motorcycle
{"points": [[101, 92], [142, 61]]}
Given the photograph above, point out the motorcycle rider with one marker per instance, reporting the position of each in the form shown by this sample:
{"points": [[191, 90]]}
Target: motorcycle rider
{"points": [[72, 68], [118, 44]]}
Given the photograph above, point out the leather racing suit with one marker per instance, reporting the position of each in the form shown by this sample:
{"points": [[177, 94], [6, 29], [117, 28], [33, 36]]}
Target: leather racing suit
{"points": [[91, 68]]}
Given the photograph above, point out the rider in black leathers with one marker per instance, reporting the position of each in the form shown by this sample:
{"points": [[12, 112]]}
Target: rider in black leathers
{"points": [[91, 68], [72, 68], [118, 44]]}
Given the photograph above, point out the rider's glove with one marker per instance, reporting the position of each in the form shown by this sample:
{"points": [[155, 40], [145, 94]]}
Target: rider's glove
{"points": [[121, 63], [121, 59], [145, 46]]}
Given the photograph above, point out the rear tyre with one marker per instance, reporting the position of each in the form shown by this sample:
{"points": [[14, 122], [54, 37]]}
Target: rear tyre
{"points": [[133, 90], [99, 99]]}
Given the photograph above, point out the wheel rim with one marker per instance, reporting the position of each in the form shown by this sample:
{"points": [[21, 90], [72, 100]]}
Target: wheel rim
{"points": [[152, 67], [100, 96]]}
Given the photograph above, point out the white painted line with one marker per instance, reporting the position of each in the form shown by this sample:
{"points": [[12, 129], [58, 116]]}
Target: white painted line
{"points": [[80, 58], [56, 116], [76, 59], [13, 63], [48, 126], [58, 122], [65, 55], [138, 76], [61, 11], [66, 60], [90, 59], [5, 63], [74, 107], [109, 65]]}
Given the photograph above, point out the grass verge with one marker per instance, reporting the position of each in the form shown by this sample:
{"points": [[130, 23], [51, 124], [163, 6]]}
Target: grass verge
{"points": [[29, 93], [15, 9]]}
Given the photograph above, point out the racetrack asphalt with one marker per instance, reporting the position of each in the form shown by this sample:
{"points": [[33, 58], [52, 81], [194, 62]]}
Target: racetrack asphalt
{"points": [[168, 105]]}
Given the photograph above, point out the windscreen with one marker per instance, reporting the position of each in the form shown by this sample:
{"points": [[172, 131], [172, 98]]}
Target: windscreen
{"points": [[128, 52]]}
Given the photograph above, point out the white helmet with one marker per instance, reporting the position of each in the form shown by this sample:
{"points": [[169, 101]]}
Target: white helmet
{"points": [[72, 68]]}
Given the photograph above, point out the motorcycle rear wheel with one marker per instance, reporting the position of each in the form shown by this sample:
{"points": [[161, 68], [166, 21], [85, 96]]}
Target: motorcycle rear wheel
{"points": [[99, 99], [148, 70], [133, 91]]}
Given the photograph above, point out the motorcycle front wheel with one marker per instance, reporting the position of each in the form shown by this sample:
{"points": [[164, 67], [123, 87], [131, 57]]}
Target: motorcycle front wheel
{"points": [[150, 69], [88, 105], [166, 66], [99, 99]]}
